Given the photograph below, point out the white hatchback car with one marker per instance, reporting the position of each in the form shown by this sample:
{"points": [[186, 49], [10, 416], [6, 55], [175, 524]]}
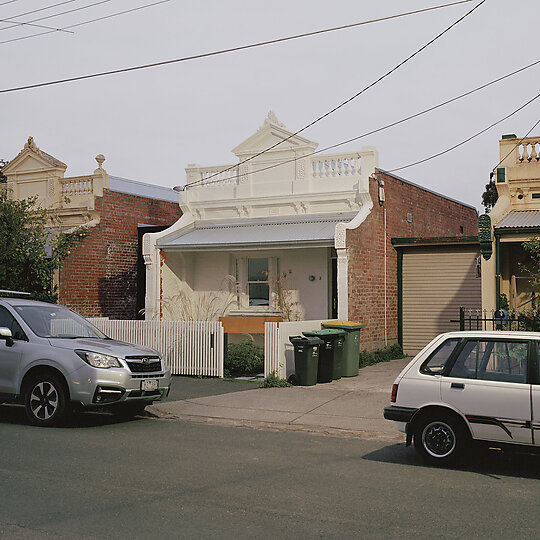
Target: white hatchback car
{"points": [[470, 386]]}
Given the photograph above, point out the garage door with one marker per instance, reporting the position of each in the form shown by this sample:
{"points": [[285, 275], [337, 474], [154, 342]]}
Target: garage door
{"points": [[436, 282]]}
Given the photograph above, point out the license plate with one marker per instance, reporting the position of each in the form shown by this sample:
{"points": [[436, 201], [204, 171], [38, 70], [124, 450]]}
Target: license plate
{"points": [[149, 384]]}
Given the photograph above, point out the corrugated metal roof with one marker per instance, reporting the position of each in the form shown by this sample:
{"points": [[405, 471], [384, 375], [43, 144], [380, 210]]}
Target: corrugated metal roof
{"points": [[142, 189], [521, 219], [319, 232]]}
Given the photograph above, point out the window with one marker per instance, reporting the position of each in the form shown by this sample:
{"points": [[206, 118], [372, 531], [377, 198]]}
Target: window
{"points": [[504, 361], [8, 321], [258, 286], [436, 363]]}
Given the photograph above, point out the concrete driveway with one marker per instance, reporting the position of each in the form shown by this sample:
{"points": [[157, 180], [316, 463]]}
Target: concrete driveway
{"points": [[351, 406]]}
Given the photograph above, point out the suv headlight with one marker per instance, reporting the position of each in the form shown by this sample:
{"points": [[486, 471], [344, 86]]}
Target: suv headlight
{"points": [[99, 360]]}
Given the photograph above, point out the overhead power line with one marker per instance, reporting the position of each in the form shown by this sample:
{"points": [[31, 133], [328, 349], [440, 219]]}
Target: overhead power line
{"points": [[88, 22], [392, 124], [56, 14], [216, 53], [19, 23], [19, 15], [342, 104], [468, 139]]}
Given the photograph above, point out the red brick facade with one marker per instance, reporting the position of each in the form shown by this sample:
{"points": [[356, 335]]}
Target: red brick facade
{"points": [[99, 278], [430, 215]]}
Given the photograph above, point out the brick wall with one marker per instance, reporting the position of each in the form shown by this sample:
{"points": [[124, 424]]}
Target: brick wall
{"points": [[99, 277], [432, 216]]}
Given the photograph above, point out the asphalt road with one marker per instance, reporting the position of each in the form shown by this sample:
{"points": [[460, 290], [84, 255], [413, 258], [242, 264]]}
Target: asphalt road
{"points": [[151, 478]]}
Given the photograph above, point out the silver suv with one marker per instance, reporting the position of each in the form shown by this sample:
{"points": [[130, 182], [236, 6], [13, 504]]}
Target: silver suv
{"points": [[52, 359]]}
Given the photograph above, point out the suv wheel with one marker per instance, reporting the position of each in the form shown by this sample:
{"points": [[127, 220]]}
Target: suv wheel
{"points": [[440, 440], [45, 400]]}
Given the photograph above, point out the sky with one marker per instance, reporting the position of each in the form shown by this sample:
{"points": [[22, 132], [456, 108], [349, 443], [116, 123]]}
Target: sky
{"points": [[150, 124]]}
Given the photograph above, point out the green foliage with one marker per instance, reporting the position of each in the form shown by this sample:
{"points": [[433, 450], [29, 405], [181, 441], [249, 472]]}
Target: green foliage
{"points": [[532, 266], [243, 358], [25, 264], [369, 358], [3, 178], [490, 196], [273, 381]]}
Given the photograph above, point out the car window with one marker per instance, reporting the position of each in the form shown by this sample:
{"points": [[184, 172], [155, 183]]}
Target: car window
{"points": [[492, 360], [57, 322], [8, 321], [436, 363]]}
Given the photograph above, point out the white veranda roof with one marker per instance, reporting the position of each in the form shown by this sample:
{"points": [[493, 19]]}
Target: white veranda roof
{"points": [[317, 232]]}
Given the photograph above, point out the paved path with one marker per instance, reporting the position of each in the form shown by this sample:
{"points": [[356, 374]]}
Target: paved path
{"points": [[351, 406]]}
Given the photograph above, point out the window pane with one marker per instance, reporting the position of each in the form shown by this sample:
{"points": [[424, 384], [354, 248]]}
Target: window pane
{"points": [[258, 294], [257, 269], [436, 362], [493, 361]]}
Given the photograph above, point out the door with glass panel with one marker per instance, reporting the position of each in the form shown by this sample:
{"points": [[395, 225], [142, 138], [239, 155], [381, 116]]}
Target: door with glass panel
{"points": [[489, 384]]}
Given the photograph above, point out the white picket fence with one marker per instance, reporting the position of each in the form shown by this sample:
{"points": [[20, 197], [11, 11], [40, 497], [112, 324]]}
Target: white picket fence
{"points": [[188, 347], [278, 350]]}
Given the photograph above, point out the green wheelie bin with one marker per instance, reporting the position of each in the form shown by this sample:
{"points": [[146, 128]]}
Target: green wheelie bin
{"points": [[330, 353], [351, 347], [306, 360]]}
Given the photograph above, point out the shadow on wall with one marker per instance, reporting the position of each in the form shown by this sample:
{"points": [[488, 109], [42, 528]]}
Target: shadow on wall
{"points": [[118, 295]]}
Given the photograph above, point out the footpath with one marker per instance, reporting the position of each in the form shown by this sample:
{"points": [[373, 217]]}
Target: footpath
{"points": [[351, 406]]}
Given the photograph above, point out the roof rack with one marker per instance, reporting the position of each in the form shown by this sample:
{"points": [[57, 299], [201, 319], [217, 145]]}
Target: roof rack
{"points": [[15, 293]]}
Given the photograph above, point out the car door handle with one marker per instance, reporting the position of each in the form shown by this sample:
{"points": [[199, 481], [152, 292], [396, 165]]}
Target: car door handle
{"points": [[457, 385]]}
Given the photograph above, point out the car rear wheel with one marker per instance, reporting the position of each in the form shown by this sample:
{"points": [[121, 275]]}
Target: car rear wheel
{"points": [[440, 440], [45, 400]]}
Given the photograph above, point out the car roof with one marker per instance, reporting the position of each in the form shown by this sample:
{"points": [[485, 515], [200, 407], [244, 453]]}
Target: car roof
{"points": [[494, 334], [14, 301]]}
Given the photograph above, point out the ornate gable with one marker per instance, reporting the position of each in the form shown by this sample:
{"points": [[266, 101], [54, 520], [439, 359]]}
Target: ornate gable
{"points": [[271, 132], [31, 159]]}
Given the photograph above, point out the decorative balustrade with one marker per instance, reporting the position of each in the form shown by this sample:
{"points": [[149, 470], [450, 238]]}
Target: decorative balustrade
{"points": [[331, 166], [221, 175], [335, 166], [77, 185], [528, 150]]}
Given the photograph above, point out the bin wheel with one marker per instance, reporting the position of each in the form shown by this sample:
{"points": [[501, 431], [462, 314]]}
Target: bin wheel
{"points": [[293, 379]]}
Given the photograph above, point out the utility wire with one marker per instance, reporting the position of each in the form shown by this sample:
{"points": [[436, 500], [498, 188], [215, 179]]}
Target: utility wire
{"points": [[519, 142], [215, 53], [18, 23], [38, 10], [9, 2], [61, 13], [388, 73], [88, 22], [392, 124], [473, 137]]}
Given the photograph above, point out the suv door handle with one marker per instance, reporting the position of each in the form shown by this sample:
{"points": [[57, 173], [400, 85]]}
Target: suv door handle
{"points": [[457, 385]]}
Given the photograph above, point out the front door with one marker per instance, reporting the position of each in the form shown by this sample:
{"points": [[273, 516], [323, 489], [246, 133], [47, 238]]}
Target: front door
{"points": [[489, 384]]}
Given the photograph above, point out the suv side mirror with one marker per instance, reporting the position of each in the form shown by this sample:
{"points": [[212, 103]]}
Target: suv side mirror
{"points": [[5, 334]]}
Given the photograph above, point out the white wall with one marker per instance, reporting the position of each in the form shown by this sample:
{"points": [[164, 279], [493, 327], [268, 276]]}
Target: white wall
{"points": [[204, 272]]}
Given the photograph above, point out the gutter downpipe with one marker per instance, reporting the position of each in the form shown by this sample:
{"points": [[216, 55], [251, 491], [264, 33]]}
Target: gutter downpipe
{"points": [[497, 271]]}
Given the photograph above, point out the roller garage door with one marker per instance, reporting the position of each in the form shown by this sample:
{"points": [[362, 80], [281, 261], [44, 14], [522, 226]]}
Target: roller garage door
{"points": [[436, 281]]}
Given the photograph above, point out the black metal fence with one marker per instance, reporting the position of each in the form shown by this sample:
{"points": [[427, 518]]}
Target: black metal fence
{"points": [[510, 320]]}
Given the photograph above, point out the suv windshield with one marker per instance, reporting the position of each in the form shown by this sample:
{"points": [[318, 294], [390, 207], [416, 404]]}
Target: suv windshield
{"points": [[57, 322]]}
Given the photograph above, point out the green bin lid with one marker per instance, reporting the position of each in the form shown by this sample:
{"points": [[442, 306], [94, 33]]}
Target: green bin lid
{"points": [[325, 332], [343, 325], [301, 340]]}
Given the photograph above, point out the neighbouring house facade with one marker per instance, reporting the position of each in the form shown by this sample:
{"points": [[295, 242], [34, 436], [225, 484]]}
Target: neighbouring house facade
{"points": [[289, 222], [100, 276], [514, 219]]}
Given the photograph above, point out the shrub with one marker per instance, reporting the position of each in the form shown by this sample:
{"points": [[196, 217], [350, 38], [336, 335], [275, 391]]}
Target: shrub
{"points": [[243, 358], [369, 358], [273, 381]]}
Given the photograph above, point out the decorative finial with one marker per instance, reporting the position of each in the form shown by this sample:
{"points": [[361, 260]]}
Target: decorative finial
{"points": [[100, 158], [273, 119], [30, 143]]}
